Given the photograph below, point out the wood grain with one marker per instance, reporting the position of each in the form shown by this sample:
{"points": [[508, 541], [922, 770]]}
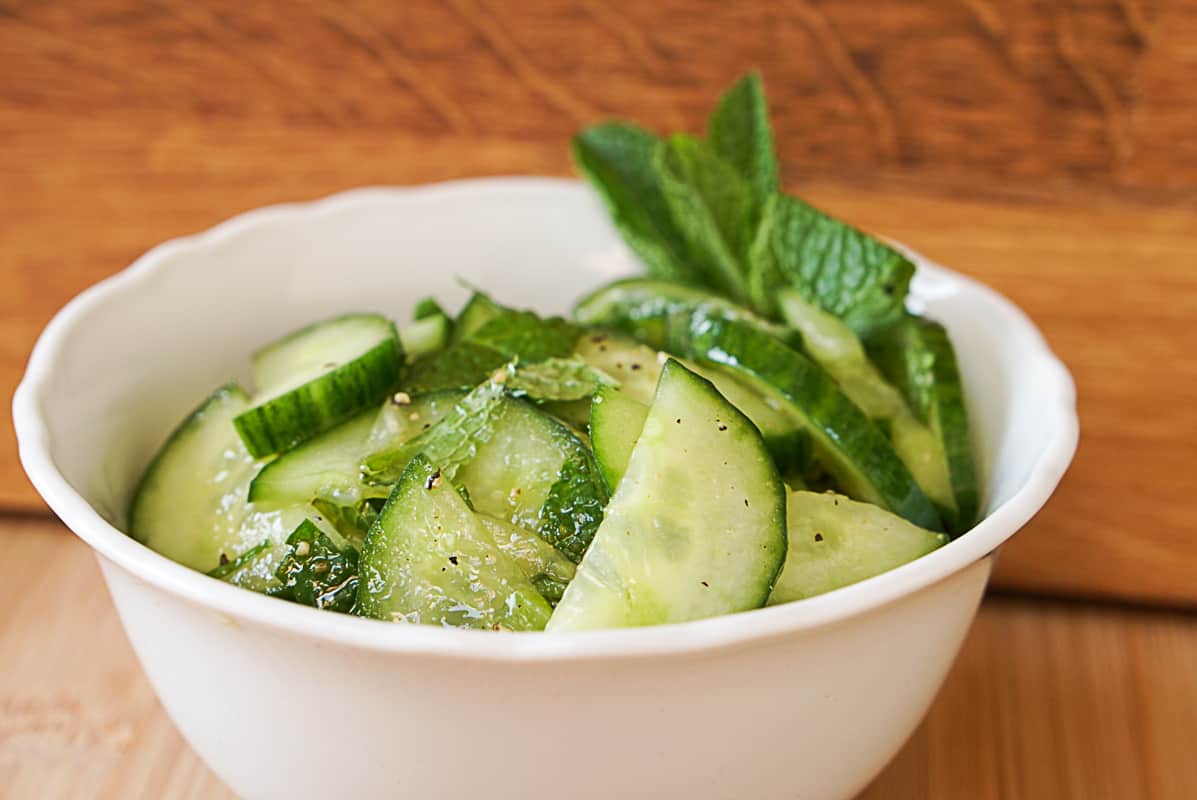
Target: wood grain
{"points": [[1047, 699], [1047, 149]]}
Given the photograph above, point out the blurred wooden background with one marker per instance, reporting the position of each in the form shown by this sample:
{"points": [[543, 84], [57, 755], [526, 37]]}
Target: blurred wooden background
{"points": [[1049, 149]]}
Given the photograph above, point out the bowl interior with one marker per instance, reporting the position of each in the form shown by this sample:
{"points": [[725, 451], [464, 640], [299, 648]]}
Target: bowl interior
{"points": [[130, 362]]}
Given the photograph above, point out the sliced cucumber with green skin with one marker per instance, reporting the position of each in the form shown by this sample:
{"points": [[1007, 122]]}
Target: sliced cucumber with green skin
{"points": [[191, 500], [917, 355], [835, 541], [329, 466], [534, 472], [191, 505], [637, 368], [544, 565], [405, 416], [429, 560], [424, 336], [836, 347], [634, 366], [640, 307], [318, 377], [615, 424], [326, 467], [517, 462], [477, 311], [697, 526], [845, 441]]}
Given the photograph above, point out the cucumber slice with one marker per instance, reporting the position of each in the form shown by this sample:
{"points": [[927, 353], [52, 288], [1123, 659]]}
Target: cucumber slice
{"points": [[424, 336], [429, 560], [637, 368], [318, 377], [404, 417], [518, 463], [191, 503], [640, 307], [836, 347], [534, 472], [697, 526], [615, 424], [846, 443], [917, 355], [478, 311], [544, 565], [834, 541], [328, 467], [324, 467], [634, 366]]}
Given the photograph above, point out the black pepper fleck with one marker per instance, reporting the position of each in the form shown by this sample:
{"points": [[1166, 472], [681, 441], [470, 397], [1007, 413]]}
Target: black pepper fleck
{"points": [[223, 559], [818, 536], [635, 367], [453, 560], [678, 420], [722, 427], [745, 502], [704, 583], [433, 479]]}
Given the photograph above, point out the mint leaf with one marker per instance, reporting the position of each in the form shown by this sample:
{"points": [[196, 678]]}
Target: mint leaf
{"points": [[713, 208], [460, 366], [740, 132], [838, 268], [556, 380], [525, 336], [451, 442], [617, 159], [315, 572]]}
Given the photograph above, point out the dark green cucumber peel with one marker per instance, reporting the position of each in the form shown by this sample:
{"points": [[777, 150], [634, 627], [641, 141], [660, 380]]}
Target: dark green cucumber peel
{"points": [[917, 356], [639, 307], [845, 441], [284, 421]]}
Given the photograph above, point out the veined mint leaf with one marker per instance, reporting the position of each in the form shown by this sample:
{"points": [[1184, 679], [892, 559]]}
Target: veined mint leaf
{"points": [[840, 269], [525, 336], [449, 443], [740, 132], [713, 208], [617, 159], [556, 380]]}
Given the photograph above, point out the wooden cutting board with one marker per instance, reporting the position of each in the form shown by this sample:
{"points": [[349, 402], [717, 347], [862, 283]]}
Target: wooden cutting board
{"points": [[1048, 151]]}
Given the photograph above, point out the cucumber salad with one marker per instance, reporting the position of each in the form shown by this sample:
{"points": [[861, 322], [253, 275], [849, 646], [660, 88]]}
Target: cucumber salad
{"points": [[757, 420]]}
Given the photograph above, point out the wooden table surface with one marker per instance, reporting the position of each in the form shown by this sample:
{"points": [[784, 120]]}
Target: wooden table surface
{"points": [[1048, 149], [1048, 699]]}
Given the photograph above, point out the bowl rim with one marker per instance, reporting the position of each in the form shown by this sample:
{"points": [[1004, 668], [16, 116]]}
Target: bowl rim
{"points": [[718, 633]]}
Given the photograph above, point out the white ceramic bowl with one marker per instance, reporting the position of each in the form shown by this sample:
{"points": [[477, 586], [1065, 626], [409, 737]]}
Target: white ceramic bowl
{"points": [[804, 700]]}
